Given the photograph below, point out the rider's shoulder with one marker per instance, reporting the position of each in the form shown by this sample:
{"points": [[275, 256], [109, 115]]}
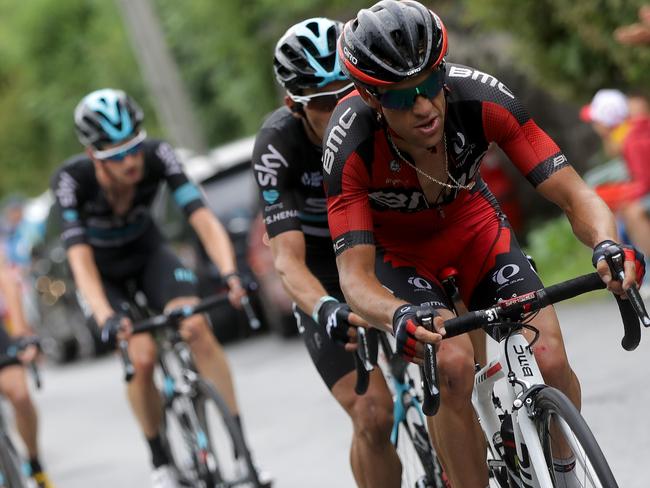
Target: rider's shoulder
{"points": [[469, 83], [281, 127], [78, 167], [353, 124]]}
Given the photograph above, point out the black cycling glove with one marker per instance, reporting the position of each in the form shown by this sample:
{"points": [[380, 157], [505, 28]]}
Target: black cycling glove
{"points": [[405, 321], [111, 328], [630, 253], [334, 316]]}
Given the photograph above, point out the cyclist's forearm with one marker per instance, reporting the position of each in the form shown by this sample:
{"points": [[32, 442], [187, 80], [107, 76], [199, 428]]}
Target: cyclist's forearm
{"points": [[301, 285], [10, 291], [363, 291], [88, 281], [590, 218], [592, 222], [215, 240]]}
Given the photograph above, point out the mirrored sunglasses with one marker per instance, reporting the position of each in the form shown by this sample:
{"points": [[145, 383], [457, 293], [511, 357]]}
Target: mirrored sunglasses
{"points": [[404, 99], [325, 101], [119, 153]]}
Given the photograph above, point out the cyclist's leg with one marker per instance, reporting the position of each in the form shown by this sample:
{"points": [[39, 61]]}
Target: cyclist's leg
{"points": [[13, 385], [372, 456], [168, 284], [454, 430], [507, 272], [142, 393]]}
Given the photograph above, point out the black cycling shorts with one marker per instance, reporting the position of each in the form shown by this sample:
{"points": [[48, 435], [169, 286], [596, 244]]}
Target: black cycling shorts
{"points": [[504, 272], [161, 277], [332, 361]]}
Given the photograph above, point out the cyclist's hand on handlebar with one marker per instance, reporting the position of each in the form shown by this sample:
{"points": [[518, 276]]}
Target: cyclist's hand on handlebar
{"points": [[634, 266], [340, 322], [410, 334], [236, 291], [115, 327]]}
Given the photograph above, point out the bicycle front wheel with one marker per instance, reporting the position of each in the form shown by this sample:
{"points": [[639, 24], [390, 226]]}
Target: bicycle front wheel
{"points": [[229, 458], [10, 469], [565, 435]]}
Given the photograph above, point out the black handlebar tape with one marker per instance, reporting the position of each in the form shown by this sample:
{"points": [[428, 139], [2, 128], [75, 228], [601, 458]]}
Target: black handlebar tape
{"points": [[571, 288], [465, 323], [253, 322], [631, 326], [365, 358], [363, 376]]}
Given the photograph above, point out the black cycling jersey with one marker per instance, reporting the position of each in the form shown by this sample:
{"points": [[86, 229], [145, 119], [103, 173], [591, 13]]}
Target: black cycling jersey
{"points": [[288, 172], [88, 217]]}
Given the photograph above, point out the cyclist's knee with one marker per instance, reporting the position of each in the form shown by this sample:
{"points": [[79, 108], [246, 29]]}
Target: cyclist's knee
{"points": [[144, 362], [372, 419], [456, 371], [18, 395], [195, 330], [552, 361]]}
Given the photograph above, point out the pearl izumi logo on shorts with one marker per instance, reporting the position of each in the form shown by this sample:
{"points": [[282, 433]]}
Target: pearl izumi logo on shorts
{"points": [[505, 274], [419, 283]]}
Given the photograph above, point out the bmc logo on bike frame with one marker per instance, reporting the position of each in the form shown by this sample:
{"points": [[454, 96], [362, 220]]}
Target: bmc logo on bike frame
{"points": [[460, 72], [335, 138]]}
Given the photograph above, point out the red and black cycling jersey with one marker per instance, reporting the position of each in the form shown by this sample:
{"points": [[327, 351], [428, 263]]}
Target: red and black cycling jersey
{"points": [[374, 197], [88, 217], [288, 172]]}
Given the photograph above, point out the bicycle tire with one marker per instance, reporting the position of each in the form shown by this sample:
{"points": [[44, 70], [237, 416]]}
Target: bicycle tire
{"points": [[233, 464], [10, 465], [421, 467], [550, 403]]}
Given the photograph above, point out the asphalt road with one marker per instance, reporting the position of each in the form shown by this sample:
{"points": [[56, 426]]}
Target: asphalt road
{"points": [[297, 430]]}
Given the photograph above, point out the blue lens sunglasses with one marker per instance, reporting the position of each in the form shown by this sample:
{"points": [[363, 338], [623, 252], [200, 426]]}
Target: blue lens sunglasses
{"points": [[404, 99], [119, 153]]}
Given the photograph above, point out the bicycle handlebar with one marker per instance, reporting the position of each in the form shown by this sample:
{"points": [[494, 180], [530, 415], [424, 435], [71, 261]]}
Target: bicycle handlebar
{"points": [[173, 317], [16, 347]]}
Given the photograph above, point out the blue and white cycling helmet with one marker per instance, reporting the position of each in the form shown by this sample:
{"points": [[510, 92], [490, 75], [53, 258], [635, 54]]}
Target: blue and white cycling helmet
{"points": [[107, 116], [305, 56]]}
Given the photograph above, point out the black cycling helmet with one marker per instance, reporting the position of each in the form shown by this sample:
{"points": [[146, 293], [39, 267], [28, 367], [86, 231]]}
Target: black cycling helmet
{"points": [[305, 56], [107, 116], [390, 42]]}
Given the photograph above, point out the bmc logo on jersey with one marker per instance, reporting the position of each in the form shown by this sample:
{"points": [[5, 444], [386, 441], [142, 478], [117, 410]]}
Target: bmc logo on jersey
{"points": [[460, 72], [335, 138], [411, 201], [505, 274], [267, 173]]}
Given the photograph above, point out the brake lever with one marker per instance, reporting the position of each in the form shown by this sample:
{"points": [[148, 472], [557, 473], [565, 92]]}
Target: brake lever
{"points": [[615, 261], [429, 369]]}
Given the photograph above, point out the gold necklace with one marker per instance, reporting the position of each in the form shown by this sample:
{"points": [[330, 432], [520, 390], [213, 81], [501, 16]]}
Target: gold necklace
{"points": [[455, 186]]}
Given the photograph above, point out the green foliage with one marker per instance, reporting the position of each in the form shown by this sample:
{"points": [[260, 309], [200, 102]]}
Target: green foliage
{"points": [[568, 45], [225, 52], [559, 255], [53, 53]]}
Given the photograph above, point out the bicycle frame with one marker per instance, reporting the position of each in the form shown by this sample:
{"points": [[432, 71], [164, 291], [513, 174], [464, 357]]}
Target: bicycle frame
{"points": [[516, 363]]}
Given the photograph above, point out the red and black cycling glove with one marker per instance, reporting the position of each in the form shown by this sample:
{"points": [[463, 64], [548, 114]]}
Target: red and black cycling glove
{"points": [[405, 321], [630, 253]]}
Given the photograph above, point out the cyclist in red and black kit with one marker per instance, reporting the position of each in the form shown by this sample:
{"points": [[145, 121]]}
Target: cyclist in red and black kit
{"points": [[288, 171], [401, 161]]}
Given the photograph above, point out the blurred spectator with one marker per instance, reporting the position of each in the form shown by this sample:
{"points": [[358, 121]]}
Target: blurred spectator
{"points": [[625, 130], [637, 33]]}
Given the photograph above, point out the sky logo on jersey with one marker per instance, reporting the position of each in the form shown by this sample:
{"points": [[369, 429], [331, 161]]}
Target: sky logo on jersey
{"points": [[270, 196], [267, 174]]}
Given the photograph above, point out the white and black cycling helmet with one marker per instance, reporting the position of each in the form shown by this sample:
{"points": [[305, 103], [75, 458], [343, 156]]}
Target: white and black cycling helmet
{"points": [[107, 116], [305, 56], [391, 42]]}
